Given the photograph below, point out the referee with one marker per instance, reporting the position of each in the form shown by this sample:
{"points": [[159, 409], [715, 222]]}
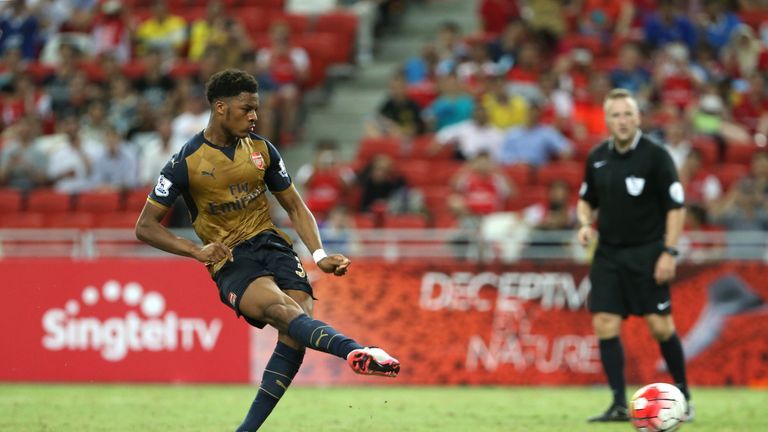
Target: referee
{"points": [[632, 183]]}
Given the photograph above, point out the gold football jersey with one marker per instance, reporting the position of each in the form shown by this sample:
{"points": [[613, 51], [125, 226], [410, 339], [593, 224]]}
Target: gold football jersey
{"points": [[224, 188]]}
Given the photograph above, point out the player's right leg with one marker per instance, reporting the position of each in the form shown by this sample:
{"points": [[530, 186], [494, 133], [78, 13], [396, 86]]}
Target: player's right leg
{"points": [[279, 372], [264, 301]]}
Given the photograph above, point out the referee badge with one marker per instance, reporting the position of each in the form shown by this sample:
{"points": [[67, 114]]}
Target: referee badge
{"points": [[635, 185]]}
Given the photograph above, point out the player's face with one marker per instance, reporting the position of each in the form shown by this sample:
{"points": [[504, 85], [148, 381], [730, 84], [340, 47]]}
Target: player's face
{"points": [[622, 118], [241, 114]]}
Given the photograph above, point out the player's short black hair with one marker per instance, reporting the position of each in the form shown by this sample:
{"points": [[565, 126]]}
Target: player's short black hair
{"points": [[230, 83]]}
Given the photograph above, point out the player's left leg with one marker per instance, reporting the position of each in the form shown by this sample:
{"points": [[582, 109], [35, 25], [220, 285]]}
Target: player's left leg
{"points": [[662, 328], [279, 372]]}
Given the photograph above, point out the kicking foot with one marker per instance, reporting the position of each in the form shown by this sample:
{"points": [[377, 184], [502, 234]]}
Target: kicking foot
{"points": [[373, 361], [615, 413]]}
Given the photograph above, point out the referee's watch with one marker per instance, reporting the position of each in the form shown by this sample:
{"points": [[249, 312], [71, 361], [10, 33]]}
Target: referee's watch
{"points": [[672, 251]]}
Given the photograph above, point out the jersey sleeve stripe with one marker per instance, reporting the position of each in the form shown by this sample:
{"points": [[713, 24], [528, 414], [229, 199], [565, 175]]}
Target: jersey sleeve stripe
{"points": [[157, 204]]}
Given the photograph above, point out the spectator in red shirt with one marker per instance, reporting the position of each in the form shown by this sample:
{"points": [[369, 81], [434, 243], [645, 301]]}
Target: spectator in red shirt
{"points": [[701, 186], [750, 107], [282, 69], [495, 14], [480, 188], [325, 180]]}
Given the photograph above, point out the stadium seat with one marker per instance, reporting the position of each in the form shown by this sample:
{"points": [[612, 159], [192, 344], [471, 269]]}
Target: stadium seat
{"points": [[740, 154], [48, 201], [582, 148], [134, 70], [416, 172], [520, 174], [568, 171], [79, 220], [125, 219], [420, 146], [444, 220], [423, 93], [343, 24], [98, 202], [436, 198], [21, 220], [297, 23], [135, 199], [442, 172], [93, 71], [182, 69], [729, 173], [256, 20], [10, 200], [526, 197], [405, 221], [707, 146], [369, 147], [364, 221]]}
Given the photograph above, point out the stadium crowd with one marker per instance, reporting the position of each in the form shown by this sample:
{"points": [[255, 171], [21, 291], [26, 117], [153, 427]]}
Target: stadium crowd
{"points": [[509, 113], [98, 94]]}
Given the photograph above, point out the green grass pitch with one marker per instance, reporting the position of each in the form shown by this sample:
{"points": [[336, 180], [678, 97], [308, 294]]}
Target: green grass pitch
{"points": [[168, 408]]}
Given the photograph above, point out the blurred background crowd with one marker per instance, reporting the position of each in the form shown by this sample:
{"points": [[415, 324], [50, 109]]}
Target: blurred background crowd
{"points": [[96, 95]]}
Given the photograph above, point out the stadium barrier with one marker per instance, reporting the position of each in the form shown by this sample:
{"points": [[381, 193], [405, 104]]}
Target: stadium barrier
{"points": [[449, 322]]}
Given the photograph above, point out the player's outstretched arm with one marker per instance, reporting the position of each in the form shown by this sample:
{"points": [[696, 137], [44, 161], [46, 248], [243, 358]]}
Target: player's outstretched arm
{"points": [[151, 231], [306, 227]]}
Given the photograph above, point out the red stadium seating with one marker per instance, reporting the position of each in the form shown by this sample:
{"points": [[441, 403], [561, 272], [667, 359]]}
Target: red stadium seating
{"points": [[371, 146], [343, 24], [135, 199], [80, 220], [581, 149], [527, 196], [405, 221], [708, 148], [98, 202], [10, 200], [441, 173], [436, 198], [364, 221], [256, 20], [520, 174], [421, 146], [568, 171], [21, 220], [416, 172], [297, 23], [444, 220], [741, 154], [423, 93], [125, 219], [48, 201], [728, 174]]}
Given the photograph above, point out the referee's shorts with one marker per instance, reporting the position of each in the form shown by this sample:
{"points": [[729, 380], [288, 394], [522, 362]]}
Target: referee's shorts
{"points": [[623, 283]]}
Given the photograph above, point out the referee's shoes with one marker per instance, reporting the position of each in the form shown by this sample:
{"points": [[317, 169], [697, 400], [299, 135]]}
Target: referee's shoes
{"points": [[615, 413]]}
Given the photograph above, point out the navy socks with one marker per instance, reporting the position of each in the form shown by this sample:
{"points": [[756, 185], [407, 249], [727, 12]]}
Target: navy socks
{"points": [[320, 336], [281, 368]]}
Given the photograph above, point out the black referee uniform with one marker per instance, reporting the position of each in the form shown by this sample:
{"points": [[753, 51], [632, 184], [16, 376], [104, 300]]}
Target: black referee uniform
{"points": [[632, 193]]}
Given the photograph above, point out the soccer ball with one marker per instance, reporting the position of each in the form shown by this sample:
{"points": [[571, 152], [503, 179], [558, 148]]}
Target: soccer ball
{"points": [[657, 407]]}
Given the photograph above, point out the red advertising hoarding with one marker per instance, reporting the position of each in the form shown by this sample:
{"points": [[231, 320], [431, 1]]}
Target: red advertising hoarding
{"points": [[448, 323], [117, 320]]}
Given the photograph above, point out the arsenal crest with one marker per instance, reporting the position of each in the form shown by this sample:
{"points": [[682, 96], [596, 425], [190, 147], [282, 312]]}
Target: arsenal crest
{"points": [[257, 160]]}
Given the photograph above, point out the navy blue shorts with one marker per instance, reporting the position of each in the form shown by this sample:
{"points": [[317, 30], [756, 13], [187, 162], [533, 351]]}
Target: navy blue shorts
{"points": [[623, 283], [266, 254]]}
